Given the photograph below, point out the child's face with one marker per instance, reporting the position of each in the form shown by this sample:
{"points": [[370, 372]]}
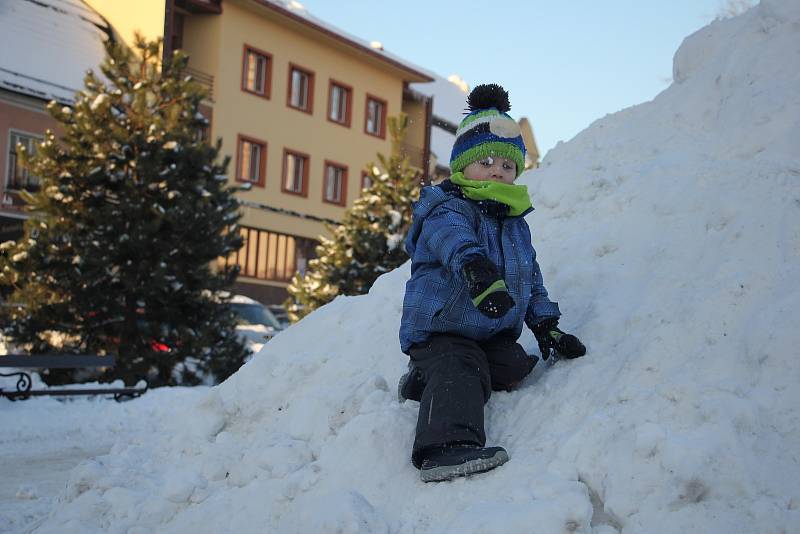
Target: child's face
{"points": [[492, 168]]}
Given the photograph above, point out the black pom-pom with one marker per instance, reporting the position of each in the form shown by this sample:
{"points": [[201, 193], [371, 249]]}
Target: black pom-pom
{"points": [[487, 96]]}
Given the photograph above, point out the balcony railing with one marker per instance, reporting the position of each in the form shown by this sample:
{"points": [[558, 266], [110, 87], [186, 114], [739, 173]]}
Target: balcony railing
{"points": [[203, 78]]}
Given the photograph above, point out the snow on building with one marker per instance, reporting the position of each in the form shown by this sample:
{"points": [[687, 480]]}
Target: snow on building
{"points": [[47, 47]]}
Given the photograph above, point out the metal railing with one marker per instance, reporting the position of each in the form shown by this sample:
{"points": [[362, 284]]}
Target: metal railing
{"points": [[203, 78]]}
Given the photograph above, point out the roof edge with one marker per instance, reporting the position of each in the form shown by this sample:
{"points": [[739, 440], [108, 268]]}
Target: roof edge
{"points": [[325, 31]]}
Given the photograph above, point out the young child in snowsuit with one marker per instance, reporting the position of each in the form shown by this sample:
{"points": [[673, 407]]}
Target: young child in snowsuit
{"points": [[474, 282]]}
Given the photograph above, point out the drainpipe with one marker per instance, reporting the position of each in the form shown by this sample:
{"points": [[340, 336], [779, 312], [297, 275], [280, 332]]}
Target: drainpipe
{"points": [[166, 48], [426, 152]]}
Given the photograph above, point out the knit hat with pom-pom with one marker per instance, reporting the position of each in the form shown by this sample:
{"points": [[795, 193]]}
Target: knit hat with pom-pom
{"points": [[487, 130]]}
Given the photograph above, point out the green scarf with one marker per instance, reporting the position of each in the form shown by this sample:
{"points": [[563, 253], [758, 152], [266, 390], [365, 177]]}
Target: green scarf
{"points": [[514, 196]]}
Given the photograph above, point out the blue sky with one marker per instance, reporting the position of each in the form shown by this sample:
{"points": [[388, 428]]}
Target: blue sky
{"points": [[564, 64]]}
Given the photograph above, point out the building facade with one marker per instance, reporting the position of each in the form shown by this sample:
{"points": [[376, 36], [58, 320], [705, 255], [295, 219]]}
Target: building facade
{"points": [[301, 109]]}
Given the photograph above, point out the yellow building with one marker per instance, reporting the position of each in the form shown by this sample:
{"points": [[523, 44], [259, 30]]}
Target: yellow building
{"points": [[300, 107]]}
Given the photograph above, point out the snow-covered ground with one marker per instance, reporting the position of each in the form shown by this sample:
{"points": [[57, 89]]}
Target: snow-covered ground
{"points": [[43, 439], [670, 234]]}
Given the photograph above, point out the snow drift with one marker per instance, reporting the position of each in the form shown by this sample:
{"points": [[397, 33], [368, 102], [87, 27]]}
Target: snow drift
{"points": [[670, 234]]}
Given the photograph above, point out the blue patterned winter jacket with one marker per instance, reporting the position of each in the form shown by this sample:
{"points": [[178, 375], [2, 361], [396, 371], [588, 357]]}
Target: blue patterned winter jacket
{"points": [[447, 229]]}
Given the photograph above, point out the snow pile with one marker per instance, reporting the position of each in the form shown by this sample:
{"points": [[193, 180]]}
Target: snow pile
{"points": [[670, 234], [43, 439]]}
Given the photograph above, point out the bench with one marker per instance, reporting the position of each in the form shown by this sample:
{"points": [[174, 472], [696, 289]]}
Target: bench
{"points": [[59, 361]]}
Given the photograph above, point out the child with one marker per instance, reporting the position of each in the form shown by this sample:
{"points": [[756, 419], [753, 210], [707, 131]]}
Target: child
{"points": [[474, 282]]}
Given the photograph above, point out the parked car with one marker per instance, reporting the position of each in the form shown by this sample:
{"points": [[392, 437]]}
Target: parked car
{"points": [[280, 314], [257, 324]]}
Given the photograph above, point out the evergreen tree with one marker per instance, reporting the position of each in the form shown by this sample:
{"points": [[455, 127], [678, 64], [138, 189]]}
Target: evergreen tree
{"points": [[369, 241], [132, 212]]}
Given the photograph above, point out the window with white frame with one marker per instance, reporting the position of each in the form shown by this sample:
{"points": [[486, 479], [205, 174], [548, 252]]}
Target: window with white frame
{"points": [[17, 177], [335, 180]]}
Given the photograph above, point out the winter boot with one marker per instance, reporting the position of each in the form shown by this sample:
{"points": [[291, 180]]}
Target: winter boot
{"points": [[411, 385], [460, 460]]}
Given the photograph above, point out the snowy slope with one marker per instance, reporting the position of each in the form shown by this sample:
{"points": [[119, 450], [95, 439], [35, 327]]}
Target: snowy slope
{"points": [[670, 234]]}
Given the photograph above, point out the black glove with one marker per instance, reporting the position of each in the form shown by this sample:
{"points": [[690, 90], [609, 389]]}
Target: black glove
{"points": [[550, 337], [486, 288]]}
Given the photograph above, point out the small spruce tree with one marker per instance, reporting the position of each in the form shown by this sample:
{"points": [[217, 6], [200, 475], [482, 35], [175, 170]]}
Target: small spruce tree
{"points": [[369, 241], [133, 211]]}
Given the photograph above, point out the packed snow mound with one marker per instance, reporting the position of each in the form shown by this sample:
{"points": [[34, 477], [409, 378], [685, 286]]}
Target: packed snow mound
{"points": [[670, 234]]}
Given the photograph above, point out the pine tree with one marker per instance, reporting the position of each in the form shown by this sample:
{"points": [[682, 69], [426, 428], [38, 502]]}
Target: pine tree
{"points": [[369, 241], [133, 211]]}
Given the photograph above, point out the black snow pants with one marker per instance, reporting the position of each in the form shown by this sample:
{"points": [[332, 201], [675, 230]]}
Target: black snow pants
{"points": [[459, 376]]}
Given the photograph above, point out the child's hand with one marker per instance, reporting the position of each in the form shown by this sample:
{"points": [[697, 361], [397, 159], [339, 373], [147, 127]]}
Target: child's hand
{"points": [[486, 289], [550, 336], [496, 304]]}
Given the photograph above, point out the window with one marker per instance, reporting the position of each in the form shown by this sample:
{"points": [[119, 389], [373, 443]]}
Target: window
{"points": [[335, 183], [270, 255], [366, 180], [339, 103], [375, 123], [295, 173], [251, 160], [256, 72], [301, 89], [17, 177]]}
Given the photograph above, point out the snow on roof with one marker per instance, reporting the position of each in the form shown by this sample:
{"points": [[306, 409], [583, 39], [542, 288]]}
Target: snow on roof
{"points": [[297, 9], [449, 101], [442, 145], [242, 299], [52, 44]]}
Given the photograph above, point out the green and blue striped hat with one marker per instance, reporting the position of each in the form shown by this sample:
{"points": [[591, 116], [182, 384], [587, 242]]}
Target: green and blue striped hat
{"points": [[487, 130]]}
